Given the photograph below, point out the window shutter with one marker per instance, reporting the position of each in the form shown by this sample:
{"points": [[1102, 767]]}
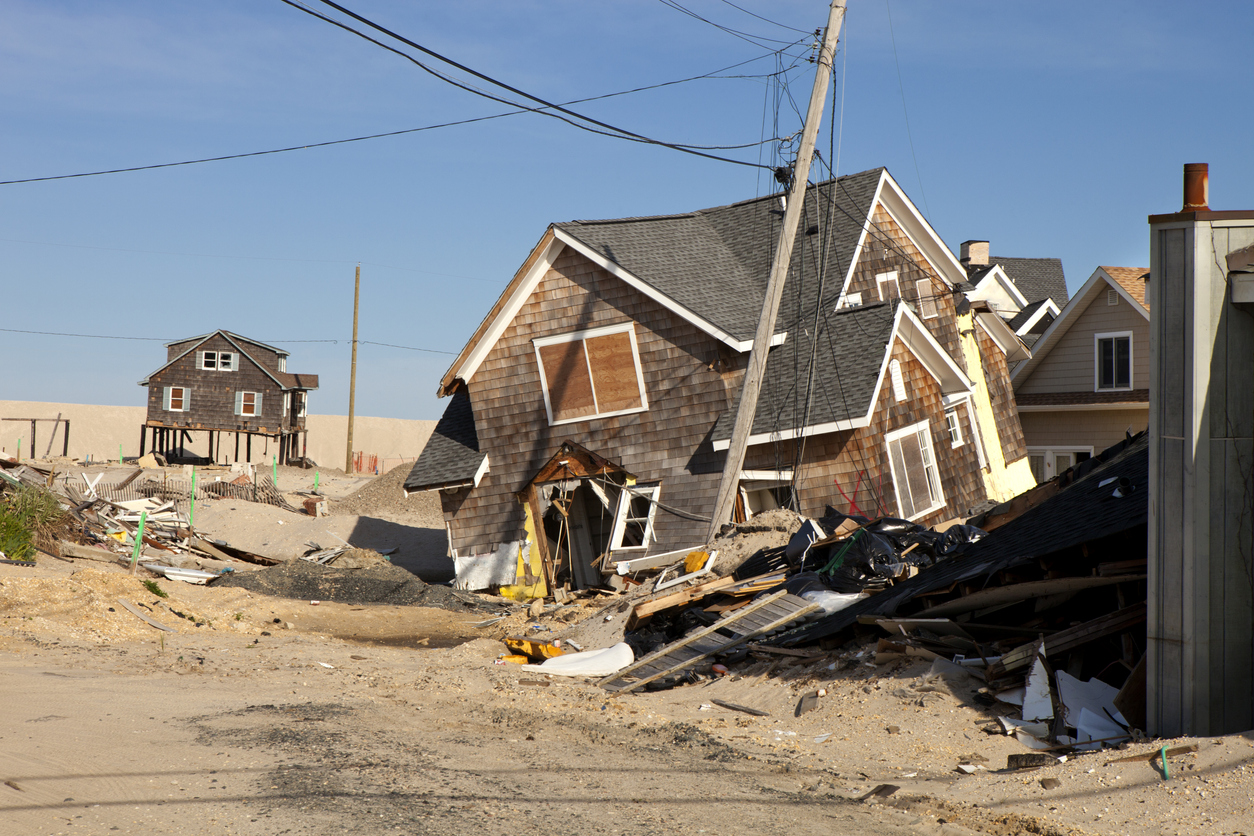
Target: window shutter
{"points": [[187, 399], [239, 403], [165, 403], [899, 385], [257, 405], [927, 299], [200, 359]]}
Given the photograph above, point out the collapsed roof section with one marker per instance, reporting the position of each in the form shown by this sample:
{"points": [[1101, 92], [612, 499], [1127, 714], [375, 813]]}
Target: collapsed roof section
{"points": [[451, 457]]}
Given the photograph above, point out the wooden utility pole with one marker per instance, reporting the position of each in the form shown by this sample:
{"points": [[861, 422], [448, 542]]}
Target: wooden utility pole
{"points": [[352, 377], [779, 270]]}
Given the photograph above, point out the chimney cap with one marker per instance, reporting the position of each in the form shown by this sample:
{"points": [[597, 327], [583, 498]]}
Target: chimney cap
{"points": [[1196, 187]]}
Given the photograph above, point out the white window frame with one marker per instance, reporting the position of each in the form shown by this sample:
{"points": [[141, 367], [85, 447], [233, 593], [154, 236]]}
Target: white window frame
{"points": [[239, 404], [185, 397], [1097, 361], [923, 431], [852, 300], [979, 437], [1051, 454], [217, 358], [899, 383], [928, 309], [287, 402], [882, 279], [627, 328], [621, 517], [954, 424]]}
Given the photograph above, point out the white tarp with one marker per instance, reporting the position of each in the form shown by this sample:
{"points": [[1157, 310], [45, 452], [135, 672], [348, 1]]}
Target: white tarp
{"points": [[588, 663], [481, 571]]}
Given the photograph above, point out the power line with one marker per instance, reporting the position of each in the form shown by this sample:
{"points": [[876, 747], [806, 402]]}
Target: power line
{"points": [[901, 85], [735, 33], [610, 130], [816, 33], [167, 340], [710, 75]]}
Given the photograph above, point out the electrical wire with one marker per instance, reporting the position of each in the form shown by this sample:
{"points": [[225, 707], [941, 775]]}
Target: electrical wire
{"points": [[901, 85], [167, 340], [736, 33], [816, 33], [609, 130]]}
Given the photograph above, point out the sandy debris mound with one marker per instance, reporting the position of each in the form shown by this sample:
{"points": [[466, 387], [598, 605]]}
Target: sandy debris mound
{"points": [[385, 495], [768, 530], [380, 583], [85, 606]]}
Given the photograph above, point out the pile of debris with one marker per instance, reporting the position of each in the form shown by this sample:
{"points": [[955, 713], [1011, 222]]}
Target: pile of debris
{"points": [[1042, 599]]}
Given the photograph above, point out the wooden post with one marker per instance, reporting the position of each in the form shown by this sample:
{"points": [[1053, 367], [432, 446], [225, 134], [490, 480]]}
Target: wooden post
{"points": [[32, 439], [352, 377], [779, 271], [236, 446], [65, 440], [248, 446], [143, 436]]}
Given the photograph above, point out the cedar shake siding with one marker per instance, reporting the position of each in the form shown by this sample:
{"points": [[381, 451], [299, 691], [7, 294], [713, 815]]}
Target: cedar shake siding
{"points": [[1002, 396], [666, 442]]}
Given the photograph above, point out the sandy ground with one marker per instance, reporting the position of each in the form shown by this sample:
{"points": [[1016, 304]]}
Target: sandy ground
{"points": [[261, 715], [264, 716]]}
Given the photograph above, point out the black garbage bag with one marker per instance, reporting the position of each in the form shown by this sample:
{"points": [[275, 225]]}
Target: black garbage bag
{"points": [[957, 538], [799, 544], [832, 519], [864, 559], [892, 526]]}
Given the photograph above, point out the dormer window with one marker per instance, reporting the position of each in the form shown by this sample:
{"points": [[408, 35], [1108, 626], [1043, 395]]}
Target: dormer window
{"points": [[219, 361]]}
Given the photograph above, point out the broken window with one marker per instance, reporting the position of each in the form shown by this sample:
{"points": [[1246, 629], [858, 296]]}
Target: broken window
{"points": [[887, 284], [177, 399], [1113, 360], [633, 522], [916, 478], [591, 373], [222, 361], [927, 299], [247, 403]]}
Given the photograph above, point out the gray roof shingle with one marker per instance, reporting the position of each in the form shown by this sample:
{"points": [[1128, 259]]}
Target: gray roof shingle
{"points": [[1036, 278], [716, 262], [451, 456]]}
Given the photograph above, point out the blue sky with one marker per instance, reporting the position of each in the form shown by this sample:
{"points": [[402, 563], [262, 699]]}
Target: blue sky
{"points": [[1049, 129]]}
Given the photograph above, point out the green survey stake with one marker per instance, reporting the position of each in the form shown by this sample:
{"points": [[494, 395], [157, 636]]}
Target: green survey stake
{"points": [[139, 539], [191, 505]]}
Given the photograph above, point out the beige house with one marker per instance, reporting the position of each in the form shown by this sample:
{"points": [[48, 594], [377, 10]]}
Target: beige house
{"points": [[1087, 382]]}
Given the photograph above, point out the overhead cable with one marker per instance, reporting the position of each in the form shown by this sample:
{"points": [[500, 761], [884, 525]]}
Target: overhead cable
{"points": [[609, 130]]}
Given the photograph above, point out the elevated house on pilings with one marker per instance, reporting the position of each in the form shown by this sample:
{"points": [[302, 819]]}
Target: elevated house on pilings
{"points": [[223, 383]]}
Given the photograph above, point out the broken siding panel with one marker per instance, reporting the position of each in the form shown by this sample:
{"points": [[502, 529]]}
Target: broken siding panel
{"points": [[887, 248], [1001, 395], [684, 397]]}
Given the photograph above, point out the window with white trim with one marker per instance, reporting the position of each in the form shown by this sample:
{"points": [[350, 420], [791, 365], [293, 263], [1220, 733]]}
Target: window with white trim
{"points": [[927, 299], [176, 399], [220, 361], [1047, 462], [955, 426], [1112, 360], [287, 402], [852, 300], [899, 383], [591, 374], [916, 478], [248, 403], [887, 285], [633, 521]]}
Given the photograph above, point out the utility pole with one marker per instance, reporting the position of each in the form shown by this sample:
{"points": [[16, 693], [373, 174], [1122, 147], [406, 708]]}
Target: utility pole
{"points": [[352, 377], [779, 271]]}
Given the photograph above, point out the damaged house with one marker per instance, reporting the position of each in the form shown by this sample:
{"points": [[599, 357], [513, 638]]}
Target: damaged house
{"points": [[590, 411]]}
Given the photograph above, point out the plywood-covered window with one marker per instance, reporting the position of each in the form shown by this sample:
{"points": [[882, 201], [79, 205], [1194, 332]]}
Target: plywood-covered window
{"points": [[591, 373], [916, 478]]}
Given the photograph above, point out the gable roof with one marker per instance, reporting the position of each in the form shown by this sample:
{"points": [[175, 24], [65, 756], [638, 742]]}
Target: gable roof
{"points": [[711, 266], [852, 365], [1036, 278], [451, 457], [285, 380], [1132, 279], [1098, 283]]}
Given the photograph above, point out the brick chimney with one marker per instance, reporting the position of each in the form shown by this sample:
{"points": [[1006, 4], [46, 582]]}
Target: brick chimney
{"points": [[974, 253]]}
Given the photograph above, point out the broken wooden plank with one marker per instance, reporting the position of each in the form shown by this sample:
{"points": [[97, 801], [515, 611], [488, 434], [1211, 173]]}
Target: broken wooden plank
{"points": [[1071, 638], [756, 712], [134, 610], [88, 553], [1153, 753], [993, 596]]}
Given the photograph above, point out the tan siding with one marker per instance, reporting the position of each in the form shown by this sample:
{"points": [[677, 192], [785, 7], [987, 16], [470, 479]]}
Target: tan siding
{"points": [[1096, 429], [1069, 365]]}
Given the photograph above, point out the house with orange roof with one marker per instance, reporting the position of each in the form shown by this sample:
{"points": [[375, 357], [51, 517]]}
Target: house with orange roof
{"points": [[1087, 382]]}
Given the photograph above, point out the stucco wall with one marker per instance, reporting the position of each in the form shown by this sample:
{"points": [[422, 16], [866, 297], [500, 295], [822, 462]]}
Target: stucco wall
{"points": [[98, 430]]}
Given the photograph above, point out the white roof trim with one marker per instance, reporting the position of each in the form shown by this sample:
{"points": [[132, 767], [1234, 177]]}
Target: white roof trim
{"points": [[656, 295], [906, 214], [1085, 407], [1007, 284], [857, 251], [1058, 329], [765, 475], [482, 471], [915, 336], [1048, 307], [1008, 341]]}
